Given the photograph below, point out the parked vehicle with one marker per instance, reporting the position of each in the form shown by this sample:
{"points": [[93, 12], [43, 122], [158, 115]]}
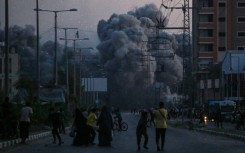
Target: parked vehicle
{"points": [[227, 107]]}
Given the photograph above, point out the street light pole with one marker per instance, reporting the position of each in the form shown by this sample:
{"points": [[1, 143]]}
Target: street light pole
{"points": [[55, 79], [66, 58], [74, 68], [80, 90], [55, 50], [238, 80], [6, 62], [38, 53]]}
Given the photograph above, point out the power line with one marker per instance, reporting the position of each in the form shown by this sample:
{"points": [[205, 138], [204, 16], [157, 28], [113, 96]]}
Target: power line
{"points": [[186, 38]]}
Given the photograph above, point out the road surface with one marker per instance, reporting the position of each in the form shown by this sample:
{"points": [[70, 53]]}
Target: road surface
{"points": [[177, 141]]}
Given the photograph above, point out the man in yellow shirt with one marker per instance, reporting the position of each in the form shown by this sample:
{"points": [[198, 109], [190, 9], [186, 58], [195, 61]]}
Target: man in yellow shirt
{"points": [[160, 116], [91, 121]]}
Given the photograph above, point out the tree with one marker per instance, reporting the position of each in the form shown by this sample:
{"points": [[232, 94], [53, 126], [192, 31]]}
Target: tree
{"points": [[29, 85]]}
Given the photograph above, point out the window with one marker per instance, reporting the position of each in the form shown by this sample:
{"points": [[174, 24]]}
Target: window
{"points": [[241, 19], [240, 4], [221, 19], [206, 47], [206, 17], [206, 3], [240, 47], [204, 63], [241, 34], [206, 32], [221, 34], [222, 48], [222, 4]]}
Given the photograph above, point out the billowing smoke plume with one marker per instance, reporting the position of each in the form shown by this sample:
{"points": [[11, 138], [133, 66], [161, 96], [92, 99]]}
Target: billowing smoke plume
{"points": [[126, 54], [170, 64], [23, 41]]}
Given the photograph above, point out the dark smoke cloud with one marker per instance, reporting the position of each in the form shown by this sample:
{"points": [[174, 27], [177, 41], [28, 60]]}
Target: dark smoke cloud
{"points": [[125, 52], [173, 69], [23, 41]]}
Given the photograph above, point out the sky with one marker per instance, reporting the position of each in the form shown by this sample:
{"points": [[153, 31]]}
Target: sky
{"points": [[89, 13]]}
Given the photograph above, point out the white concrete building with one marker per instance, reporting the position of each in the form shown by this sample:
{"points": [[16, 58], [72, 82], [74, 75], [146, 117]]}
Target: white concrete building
{"points": [[14, 67]]}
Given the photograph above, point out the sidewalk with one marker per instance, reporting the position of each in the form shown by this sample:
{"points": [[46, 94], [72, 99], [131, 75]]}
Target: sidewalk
{"points": [[33, 136], [210, 128], [228, 129]]}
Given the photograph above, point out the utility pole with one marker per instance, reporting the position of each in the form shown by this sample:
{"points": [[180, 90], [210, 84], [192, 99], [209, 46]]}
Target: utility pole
{"points": [[38, 52], [79, 75], [6, 61], [55, 77], [66, 61], [187, 60], [74, 66], [187, 56]]}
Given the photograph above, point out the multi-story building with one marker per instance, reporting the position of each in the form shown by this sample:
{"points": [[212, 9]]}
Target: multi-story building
{"points": [[218, 26], [14, 67], [233, 77]]}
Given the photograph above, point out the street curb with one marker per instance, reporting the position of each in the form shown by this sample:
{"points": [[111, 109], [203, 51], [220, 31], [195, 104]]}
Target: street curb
{"points": [[10, 143], [235, 136], [32, 137]]}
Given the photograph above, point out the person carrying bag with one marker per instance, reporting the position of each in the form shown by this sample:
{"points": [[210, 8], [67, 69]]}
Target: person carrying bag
{"points": [[160, 116]]}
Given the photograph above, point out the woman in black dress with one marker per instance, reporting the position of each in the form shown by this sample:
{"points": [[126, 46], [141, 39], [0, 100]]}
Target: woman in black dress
{"points": [[82, 136], [105, 127]]}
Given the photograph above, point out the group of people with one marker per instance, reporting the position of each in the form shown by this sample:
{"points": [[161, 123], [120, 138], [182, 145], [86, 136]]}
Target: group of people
{"points": [[85, 126], [102, 122], [160, 116]]}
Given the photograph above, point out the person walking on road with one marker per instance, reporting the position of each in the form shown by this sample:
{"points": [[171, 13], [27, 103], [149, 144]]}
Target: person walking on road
{"points": [[25, 119], [142, 130], [238, 119], [55, 119], [160, 115], [62, 119], [105, 126], [82, 136]]}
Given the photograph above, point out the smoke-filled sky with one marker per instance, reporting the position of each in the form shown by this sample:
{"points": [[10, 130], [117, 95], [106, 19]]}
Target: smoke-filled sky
{"points": [[123, 46], [86, 19], [123, 26]]}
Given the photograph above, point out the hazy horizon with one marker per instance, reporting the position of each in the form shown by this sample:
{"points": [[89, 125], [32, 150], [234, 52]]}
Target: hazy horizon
{"points": [[89, 13]]}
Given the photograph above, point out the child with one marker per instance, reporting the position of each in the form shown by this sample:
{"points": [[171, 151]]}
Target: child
{"points": [[91, 121], [141, 129]]}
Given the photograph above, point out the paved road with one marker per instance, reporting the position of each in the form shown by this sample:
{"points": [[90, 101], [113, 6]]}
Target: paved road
{"points": [[177, 141]]}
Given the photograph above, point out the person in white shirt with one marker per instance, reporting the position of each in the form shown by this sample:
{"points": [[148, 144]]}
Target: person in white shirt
{"points": [[25, 119]]}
